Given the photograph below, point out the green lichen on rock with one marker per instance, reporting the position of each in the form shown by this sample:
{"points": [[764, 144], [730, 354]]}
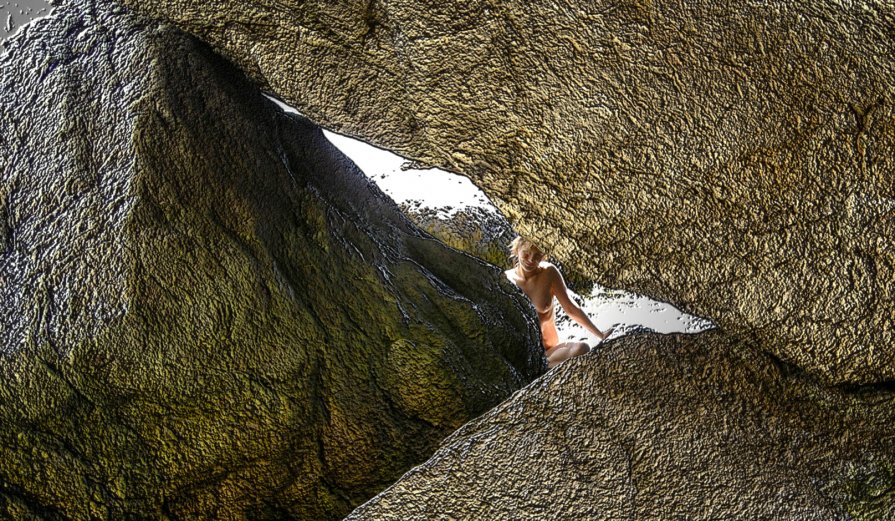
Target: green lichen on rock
{"points": [[734, 158], [209, 311], [870, 492]]}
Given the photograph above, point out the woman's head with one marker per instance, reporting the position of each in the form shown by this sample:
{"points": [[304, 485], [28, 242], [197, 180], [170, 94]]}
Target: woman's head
{"points": [[526, 254]]}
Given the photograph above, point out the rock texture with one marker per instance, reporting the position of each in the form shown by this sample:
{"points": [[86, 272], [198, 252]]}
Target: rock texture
{"points": [[208, 311], [663, 427], [478, 231], [735, 158]]}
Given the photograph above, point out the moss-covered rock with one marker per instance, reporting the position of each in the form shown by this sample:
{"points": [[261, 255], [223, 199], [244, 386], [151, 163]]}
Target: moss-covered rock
{"points": [[209, 312], [734, 158], [698, 427]]}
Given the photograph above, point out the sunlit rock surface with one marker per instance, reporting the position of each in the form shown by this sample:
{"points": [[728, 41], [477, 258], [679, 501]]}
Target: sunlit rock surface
{"points": [[732, 158], [662, 427], [208, 312], [478, 231]]}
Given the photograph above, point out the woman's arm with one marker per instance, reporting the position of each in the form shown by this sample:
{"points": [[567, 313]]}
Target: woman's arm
{"points": [[561, 292]]}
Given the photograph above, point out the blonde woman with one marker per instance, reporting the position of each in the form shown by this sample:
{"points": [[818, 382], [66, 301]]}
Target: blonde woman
{"points": [[541, 281]]}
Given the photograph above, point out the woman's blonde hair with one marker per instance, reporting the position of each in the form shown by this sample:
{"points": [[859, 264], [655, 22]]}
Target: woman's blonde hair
{"points": [[521, 244]]}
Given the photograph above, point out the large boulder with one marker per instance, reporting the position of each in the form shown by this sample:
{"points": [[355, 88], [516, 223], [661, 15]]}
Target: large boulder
{"points": [[734, 158], [697, 427], [208, 311]]}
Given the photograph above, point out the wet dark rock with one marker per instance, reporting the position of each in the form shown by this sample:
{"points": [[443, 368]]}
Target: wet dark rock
{"points": [[734, 158], [695, 427], [208, 311]]}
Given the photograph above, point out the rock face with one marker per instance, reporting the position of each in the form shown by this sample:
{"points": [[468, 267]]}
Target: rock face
{"points": [[735, 158], [662, 427], [208, 311], [482, 233]]}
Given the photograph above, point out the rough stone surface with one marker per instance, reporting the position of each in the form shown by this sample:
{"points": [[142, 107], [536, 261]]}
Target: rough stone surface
{"points": [[695, 427], [482, 233], [208, 311], [734, 158]]}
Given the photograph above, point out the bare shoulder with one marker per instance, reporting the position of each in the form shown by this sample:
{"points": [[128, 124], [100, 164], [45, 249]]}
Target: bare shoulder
{"points": [[511, 275], [551, 273], [551, 270], [553, 276]]}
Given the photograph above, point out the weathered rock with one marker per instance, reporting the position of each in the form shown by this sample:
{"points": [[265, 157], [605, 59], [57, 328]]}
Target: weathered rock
{"points": [[479, 232], [735, 158], [208, 311], [663, 427]]}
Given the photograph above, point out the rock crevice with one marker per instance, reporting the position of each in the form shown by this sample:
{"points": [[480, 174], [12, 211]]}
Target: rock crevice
{"points": [[734, 159]]}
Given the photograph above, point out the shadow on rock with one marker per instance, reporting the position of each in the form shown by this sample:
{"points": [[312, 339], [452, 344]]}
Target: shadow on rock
{"points": [[208, 310]]}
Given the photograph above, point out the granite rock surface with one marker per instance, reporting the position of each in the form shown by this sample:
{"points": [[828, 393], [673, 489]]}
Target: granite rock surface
{"points": [[208, 311], [480, 232], [734, 158], [697, 427]]}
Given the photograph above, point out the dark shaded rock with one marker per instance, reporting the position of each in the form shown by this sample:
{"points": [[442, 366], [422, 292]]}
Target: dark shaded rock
{"points": [[209, 312], [734, 158], [663, 427]]}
